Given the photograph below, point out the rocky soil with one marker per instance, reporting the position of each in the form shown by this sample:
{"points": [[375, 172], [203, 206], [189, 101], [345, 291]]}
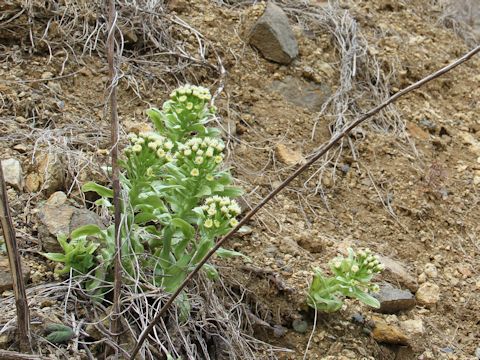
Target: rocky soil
{"points": [[407, 185]]}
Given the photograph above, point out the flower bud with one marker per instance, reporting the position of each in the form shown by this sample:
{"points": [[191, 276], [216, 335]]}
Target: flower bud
{"points": [[137, 148], [208, 223]]}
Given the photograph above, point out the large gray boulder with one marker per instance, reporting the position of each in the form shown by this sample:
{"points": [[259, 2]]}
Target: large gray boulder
{"points": [[273, 36]]}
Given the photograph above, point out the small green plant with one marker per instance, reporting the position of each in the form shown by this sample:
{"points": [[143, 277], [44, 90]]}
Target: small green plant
{"points": [[78, 253], [352, 278], [179, 200], [59, 333]]}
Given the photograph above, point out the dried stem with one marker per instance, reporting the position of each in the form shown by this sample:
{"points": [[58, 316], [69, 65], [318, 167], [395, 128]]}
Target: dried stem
{"points": [[114, 126], [318, 154], [23, 315], [12, 355]]}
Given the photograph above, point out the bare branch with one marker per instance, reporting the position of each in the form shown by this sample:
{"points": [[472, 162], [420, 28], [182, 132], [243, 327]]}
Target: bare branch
{"points": [[23, 315], [114, 128], [12, 355]]}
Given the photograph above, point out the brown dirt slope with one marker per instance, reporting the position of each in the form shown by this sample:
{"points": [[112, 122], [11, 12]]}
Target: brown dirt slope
{"points": [[411, 196]]}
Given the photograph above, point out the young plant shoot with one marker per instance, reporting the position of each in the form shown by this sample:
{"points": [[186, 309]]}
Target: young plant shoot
{"points": [[352, 278]]}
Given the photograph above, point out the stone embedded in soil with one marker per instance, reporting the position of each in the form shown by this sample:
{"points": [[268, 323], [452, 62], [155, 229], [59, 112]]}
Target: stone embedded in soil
{"points": [[393, 300], [387, 333], [32, 182], [412, 327], [301, 93], [310, 242], [417, 132], [57, 217], [477, 353], [51, 170], [273, 36], [288, 155], [6, 281], [396, 273], [430, 270], [428, 294], [12, 172], [469, 139], [300, 326]]}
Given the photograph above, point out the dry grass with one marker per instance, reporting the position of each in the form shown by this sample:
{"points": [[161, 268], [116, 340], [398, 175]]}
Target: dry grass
{"points": [[154, 49], [218, 326], [463, 17]]}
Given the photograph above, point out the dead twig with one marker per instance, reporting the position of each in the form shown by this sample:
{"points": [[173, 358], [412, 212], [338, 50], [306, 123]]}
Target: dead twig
{"points": [[12, 355], [114, 128], [23, 315], [318, 154]]}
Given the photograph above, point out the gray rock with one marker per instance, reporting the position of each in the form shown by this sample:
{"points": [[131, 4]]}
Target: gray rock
{"points": [[300, 326], [393, 300], [6, 281], [57, 217], [12, 172], [301, 93], [273, 36], [396, 273]]}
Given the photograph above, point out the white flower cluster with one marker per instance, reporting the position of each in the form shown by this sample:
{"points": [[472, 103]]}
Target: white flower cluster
{"points": [[202, 151], [364, 263], [220, 209], [369, 261], [152, 141], [184, 93]]}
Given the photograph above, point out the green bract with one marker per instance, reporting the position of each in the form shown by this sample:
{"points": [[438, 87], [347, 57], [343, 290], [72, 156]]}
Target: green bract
{"points": [[177, 199], [352, 278]]}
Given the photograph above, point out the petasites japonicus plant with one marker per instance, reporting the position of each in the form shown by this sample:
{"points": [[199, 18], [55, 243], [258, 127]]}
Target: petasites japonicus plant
{"points": [[177, 199], [352, 277]]}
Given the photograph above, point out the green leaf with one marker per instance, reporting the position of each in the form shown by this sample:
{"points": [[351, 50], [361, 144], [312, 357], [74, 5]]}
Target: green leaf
{"points": [[366, 298], [203, 248], [203, 191], [86, 230], [184, 306], [103, 202], [225, 253], [54, 256], [216, 188], [213, 132], [144, 217], [56, 327], [210, 271], [324, 304], [231, 191], [59, 333], [187, 229], [99, 189], [157, 118], [224, 178], [154, 201], [62, 240]]}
